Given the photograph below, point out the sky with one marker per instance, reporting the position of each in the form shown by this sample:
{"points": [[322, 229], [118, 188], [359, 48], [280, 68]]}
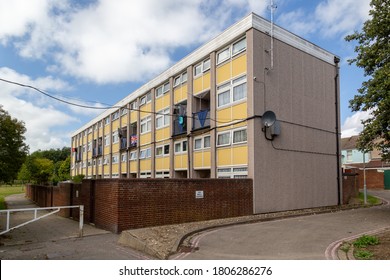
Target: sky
{"points": [[98, 52]]}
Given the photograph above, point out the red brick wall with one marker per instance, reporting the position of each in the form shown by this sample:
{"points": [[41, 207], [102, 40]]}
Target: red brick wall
{"points": [[62, 197], [350, 187], [374, 179]]}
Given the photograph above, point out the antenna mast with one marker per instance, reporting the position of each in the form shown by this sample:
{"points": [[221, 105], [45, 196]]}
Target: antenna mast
{"points": [[272, 8]]}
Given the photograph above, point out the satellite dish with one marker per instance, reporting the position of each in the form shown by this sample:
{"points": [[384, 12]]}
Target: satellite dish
{"points": [[268, 118]]}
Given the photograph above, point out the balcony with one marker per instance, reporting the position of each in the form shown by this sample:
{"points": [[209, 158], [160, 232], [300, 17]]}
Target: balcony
{"points": [[133, 141], [180, 125], [201, 119], [123, 143], [96, 152]]}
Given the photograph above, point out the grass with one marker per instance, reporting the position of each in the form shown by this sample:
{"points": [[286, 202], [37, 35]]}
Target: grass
{"points": [[6, 190], [363, 255], [371, 200], [365, 240]]}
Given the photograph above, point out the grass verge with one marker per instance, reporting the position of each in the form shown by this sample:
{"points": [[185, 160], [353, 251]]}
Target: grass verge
{"points": [[371, 200], [6, 190]]}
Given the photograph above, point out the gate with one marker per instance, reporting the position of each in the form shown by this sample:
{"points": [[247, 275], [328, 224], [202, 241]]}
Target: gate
{"points": [[387, 179]]}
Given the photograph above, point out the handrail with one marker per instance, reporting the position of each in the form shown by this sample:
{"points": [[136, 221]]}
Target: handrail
{"points": [[36, 218]]}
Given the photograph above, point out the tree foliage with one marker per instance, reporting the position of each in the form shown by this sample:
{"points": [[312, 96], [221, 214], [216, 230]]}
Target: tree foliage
{"points": [[373, 56], [13, 149]]}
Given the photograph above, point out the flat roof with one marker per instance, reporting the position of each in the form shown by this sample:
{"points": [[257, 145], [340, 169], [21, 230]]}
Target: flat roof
{"points": [[230, 34]]}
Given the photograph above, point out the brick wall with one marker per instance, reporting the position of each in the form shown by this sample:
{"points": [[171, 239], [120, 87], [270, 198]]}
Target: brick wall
{"points": [[374, 179], [120, 204], [350, 187]]}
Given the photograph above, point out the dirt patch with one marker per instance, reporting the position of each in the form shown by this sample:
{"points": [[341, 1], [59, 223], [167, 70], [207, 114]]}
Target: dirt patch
{"points": [[382, 250]]}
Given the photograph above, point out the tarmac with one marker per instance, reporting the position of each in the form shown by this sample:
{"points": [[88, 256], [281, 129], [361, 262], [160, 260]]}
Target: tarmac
{"points": [[299, 238]]}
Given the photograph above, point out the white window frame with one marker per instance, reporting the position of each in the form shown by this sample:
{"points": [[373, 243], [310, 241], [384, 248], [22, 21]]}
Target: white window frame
{"points": [[145, 175], [202, 142], [229, 50], [89, 146], [133, 155], [163, 151], [229, 133], [201, 67], [145, 99], [106, 160], [162, 174], [133, 105], [181, 79], [107, 120], [232, 172], [228, 88], [159, 91], [236, 130], [224, 50], [115, 159], [164, 117], [180, 144], [124, 157], [115, 116], [107, 140], [123, 111], [147, 123], [144, 153], [115, 137]]}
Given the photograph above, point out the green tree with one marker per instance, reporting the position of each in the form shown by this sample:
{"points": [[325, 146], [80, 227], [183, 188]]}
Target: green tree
{"points": [[43, 170], [13, 149], [64, 170], [373, 55]]}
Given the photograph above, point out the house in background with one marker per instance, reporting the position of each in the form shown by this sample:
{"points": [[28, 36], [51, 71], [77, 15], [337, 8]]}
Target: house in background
{"points": [[377, 171]]}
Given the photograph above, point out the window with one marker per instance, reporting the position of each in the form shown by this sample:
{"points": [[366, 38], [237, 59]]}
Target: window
{"points": [[89, 146], [106, 160], [235, 172], [115, 159], [223, 139], [198, 70], [146, 124], [107, 121], [232, 92], [162, 174], [239, 136], [133, 105], [145, 175], [115, 116], [349, 156], [115, 137], [159, 91], [206, 64], [133, 155], [198, 144], [180, 79], [180, 147], [177, 81], [144, 153], [202, 67], [166, 87], [123, 111], [223, 55], [162, 150], [145, 99], [184, 77], [123, 157], [239, 46], [162, 118], [202, 142], [106, 140]]}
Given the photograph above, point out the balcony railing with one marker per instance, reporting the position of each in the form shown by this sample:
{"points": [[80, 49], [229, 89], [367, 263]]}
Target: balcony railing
{"points": [[179, 126], [123, 143], [201, 119], [96, 152]]}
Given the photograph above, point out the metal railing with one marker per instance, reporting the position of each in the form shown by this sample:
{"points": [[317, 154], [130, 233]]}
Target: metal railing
{"points": [[36, 218]]}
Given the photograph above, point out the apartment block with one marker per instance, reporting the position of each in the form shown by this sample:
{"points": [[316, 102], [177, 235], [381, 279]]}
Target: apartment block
{"points": [[203, 118]]}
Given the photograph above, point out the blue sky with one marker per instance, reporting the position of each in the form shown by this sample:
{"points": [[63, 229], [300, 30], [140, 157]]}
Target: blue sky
{"points": [[98, 52]]}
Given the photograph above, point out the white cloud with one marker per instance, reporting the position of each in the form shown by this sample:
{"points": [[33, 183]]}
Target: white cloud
{"points": [[353, 124], [330, 18], [41, 118], [113, 41]]}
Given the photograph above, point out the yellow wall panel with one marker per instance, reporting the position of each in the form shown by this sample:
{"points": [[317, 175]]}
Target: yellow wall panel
{"points": [[145, 165], [133, 166], [145, 138], [115, 125], [198, 85], [206, 80], [123, 167], [115, 168], [115, 148], [240, 155], [163, 133], [239, 65], [124, 121], [106, 169], [198, 159], [106, 150], [163, 102], [202, 159], [99, 172], [223, 73], [145, 109], [224, 115], [239, 111], [224, 156], [162, 163], [181, 161], [133, 116]]}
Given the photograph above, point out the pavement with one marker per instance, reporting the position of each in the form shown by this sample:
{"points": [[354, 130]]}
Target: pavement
{"points": [[299, 238], [56, 238], [314, 237]]}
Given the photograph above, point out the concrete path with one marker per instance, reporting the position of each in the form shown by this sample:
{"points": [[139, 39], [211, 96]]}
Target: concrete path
{"points": [[300, 238], [55, 237]]}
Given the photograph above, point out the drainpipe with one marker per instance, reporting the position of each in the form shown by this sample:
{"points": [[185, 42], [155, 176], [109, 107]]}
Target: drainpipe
{"points": [[336, 92]]}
